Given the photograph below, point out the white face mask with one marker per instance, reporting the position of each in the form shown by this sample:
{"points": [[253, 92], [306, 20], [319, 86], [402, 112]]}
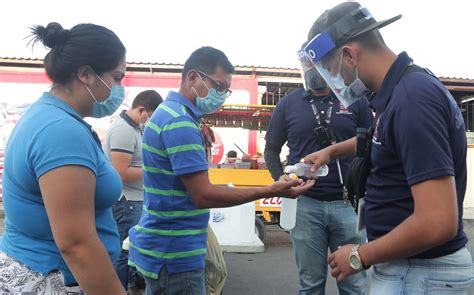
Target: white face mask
{"points": [[347, 94], [142, 125]]}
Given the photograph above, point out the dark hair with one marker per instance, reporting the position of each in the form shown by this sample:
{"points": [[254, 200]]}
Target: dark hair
{"points": [[232, 154], [149, 99], [370, 40], [207, 59], [84, 44]]}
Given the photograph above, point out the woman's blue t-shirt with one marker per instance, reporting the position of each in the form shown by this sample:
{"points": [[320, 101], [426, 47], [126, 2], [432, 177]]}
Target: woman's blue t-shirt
{"points": [[49, 135]]}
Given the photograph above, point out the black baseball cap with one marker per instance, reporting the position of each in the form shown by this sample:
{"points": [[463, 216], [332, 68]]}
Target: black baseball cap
{"points": [[346, 21]]}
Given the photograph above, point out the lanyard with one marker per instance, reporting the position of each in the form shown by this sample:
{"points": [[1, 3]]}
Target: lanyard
{"points": [[317, 115], [327, 121]]}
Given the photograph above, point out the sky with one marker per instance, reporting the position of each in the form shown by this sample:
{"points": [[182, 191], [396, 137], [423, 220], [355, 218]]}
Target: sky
{"points": [[436, 34]]}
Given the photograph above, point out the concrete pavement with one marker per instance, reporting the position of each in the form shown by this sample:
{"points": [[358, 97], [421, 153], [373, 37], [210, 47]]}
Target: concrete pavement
{"points": [[274, 271], [271, 273]]}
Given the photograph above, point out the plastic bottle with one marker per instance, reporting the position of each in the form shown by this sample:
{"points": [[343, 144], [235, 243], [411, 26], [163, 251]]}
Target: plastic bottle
{"points": [[288, 210], [303, 169], [288, 206]]}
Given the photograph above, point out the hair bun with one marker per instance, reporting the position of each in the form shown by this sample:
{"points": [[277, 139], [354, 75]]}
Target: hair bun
{"points": [[52, 35]]}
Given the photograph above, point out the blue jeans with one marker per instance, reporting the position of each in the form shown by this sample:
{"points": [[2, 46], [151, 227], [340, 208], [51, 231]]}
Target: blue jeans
{"points": [[185, 283], [127, 214], [450, 274], [319, 226]]}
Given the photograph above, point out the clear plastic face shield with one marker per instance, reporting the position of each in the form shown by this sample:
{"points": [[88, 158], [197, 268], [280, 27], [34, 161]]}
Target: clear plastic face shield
{"points": [[311, 77], [328, 61], [329, 67]]}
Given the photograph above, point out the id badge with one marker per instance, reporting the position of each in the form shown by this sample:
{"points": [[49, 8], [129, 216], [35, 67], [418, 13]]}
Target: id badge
{"points": [[360, 216]]}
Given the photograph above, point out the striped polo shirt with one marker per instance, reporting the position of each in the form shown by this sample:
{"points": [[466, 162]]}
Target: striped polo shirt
{"points": [[172, 231]]}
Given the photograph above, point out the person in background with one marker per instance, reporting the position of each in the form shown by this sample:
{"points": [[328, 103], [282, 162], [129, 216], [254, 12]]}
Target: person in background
{"points": [[261, 161], [308, 120], [231, 157], [417, 178], [246, 158], [169, 243], [58, 187], [209, 140], [123, 147]]}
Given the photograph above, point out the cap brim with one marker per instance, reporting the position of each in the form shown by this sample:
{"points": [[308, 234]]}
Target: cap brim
{"points": [[378, 25]]}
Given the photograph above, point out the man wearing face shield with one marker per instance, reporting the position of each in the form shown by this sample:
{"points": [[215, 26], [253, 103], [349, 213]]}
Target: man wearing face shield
{"points": [[309, 120], [169, 243], [417, 158]]}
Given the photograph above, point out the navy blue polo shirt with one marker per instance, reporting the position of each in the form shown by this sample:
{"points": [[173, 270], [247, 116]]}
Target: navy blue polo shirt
{"points": [[420, 135], [293, 121]]}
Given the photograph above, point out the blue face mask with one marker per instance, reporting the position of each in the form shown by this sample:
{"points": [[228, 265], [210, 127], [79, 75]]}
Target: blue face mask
{"points": [[111, 104], [212, 102], [347, 94]]}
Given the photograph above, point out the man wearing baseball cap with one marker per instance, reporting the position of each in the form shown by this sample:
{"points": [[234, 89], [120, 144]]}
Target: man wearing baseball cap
{"points": [[417, 181]]}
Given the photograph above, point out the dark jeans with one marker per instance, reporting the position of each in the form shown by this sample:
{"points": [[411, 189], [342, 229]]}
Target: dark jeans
{"points": [[184, 283], [126, 214]]}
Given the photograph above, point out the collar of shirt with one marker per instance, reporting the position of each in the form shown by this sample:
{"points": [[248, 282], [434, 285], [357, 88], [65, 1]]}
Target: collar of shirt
{"points": [[181, 99], [394, 74], [129, 120], [50, 99], [308, 95]]}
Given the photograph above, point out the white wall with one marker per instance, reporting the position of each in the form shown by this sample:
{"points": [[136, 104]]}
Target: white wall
{"points": [[469, 198]]}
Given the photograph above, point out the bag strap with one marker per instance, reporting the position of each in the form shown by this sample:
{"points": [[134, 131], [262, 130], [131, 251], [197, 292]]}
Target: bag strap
{"points": [[359, 170]]}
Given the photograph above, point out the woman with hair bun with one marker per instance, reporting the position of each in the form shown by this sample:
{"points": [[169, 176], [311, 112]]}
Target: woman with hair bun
{"points": [[58, 187]]}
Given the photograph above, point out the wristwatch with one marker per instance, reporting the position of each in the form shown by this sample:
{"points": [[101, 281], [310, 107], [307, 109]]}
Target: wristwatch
{"points": [[354, 259]]}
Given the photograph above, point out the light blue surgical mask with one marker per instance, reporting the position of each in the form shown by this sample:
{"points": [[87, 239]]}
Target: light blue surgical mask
{"points": [[213, 100], [111, 104], [347, 94]]}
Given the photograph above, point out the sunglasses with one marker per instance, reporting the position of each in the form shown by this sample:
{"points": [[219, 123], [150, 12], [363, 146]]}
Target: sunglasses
{"points": [[220, 87]]}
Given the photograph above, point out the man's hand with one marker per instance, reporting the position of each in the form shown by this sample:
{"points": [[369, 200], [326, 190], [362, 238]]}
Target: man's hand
{"points": [[318, 158], [340, 149], [339, 263], [290, 188]]}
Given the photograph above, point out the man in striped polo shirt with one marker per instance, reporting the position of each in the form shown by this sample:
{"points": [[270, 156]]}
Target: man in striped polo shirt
{"points": [[169, 243]]}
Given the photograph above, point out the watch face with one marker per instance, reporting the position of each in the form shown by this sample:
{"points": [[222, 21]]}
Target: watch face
{"points": [[355, 262]]}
